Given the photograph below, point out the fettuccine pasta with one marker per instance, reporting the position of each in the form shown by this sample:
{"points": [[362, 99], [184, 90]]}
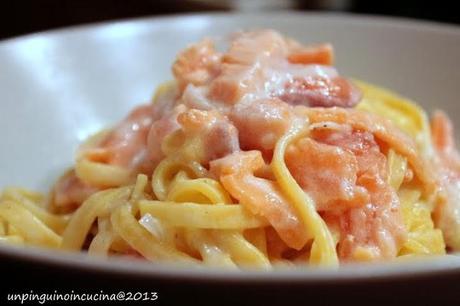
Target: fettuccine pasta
{"points": [[257, 157]]}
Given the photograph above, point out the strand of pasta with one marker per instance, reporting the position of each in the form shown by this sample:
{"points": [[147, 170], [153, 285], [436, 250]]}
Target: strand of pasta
{"points": [[32, 230], [211, 255], [17, 203], [97, 173], [12, 239], [127, 226], [397, 167], [176, 181], [201, 191], [406, 114], [102, 242], [99, 204], [102, 175], [167, 169], [115, 209], [241, 251], [57, 223], [196, 214], [96, 207], [323, 250], [137, 193], [423, 238]]}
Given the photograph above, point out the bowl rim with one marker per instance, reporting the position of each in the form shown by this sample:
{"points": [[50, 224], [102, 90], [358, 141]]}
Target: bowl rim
{"points": [[446, 265]]}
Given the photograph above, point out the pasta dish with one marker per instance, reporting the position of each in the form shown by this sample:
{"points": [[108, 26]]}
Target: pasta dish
{"points": [[262, 155]]}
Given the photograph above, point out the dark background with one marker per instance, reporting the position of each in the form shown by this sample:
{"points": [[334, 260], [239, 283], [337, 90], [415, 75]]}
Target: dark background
{"points": [[19, 17]]}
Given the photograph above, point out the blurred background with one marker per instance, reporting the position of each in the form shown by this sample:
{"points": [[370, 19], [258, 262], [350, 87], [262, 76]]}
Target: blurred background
{"points": [[19, 17]]}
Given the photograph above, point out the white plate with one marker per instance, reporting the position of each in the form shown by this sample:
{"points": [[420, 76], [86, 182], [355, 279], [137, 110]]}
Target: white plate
{"points": [[58, 87]]}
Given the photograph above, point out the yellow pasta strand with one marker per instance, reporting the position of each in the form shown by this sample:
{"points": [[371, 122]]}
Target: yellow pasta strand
{"points": [[241, 251], [102, 175], [406, 114], [424, 238], [397, 166], [165, 172], [99, 204], [144, 242], [101, 243], [323, 250], [202, 190], [202, 215], [56, 222], [210, 253], [99, 174], [207, 216], [29, 227], [12, 239]]}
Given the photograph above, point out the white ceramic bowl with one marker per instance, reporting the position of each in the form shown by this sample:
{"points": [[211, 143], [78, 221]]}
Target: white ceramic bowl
{"points": [[58, 87]]}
